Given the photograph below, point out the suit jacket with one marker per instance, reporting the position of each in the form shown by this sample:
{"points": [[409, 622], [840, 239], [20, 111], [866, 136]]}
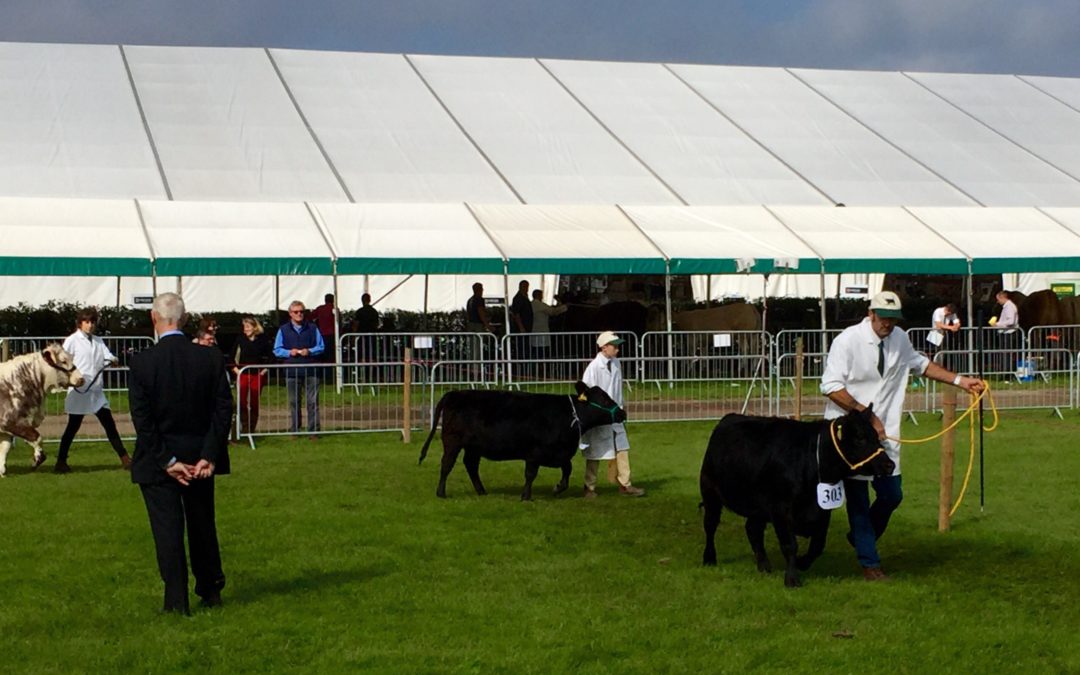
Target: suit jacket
{"points": [[181, 406]]}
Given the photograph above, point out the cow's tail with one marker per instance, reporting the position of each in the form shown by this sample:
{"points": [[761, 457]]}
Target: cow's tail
{"points": [[434, 426]]}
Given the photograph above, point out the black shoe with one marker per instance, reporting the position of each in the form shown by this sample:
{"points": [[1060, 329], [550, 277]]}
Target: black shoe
{"points": [[182, 610], [211, 600], [61, 467]]}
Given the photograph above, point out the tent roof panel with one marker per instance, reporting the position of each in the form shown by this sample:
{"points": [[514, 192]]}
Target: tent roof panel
{"points": [[230, 238], [225, 128], [723, 239], [569, 240], [546, 145], [408, 239], [1025, 115], [967, 154], [70, 126], [694, 148], [827, 147], [387, 135], [1006, 239], [872, 239]]}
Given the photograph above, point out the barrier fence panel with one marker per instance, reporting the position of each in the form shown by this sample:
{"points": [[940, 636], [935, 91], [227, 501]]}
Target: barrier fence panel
{"points": [[679, 355], [1028, 387], [558, 357], [737, 384], [302, 401], [471, 358]]}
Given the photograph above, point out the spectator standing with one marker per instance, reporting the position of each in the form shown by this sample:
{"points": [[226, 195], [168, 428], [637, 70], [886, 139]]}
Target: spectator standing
{"points": [[91, 357], [608, 441], [1008, 332], [476, 314], [181, 406], [297, 344], [252, 349], [366, 322], [324, 317], [521, 312], [541, 333], [869, 364], [945, 325]]}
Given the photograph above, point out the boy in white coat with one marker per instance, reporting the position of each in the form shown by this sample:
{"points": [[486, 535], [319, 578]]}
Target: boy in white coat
{"points": [[608, 441]]}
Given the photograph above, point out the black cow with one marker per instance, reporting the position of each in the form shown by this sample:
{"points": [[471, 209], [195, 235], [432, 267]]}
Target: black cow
{"points": [[767, 470], [542, 429]]}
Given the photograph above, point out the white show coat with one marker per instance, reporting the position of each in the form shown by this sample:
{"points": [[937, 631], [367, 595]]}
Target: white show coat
{"points": [[852, 365], [603, 441], [91, 356]]}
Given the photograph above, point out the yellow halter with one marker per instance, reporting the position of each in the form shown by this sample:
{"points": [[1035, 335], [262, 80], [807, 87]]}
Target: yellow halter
{"points": [[836, 446]]}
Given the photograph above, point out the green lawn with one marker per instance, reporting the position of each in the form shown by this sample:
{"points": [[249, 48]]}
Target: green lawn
{"points": [[340, 558]]}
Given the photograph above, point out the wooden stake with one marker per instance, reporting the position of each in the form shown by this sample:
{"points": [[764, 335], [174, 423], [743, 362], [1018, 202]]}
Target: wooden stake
{"points": [[948, 408]]}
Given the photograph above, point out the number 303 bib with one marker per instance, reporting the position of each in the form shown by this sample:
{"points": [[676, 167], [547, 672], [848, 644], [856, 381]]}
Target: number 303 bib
{"points": [[830, 495]]}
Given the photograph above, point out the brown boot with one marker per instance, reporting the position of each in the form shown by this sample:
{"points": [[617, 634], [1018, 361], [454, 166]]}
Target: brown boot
{"points": [[874, 574]]}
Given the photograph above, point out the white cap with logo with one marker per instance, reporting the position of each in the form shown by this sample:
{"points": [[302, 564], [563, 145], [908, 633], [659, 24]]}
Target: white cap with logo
{"points": [[608, 338], [886, 304]]}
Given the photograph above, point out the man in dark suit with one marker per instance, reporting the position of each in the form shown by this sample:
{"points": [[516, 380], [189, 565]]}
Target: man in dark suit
{"points": [[181, 407]]}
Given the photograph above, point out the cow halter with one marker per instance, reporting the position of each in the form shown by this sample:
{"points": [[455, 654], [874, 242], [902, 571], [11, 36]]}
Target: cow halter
{"points": [[573, 411], [610, 411], [833, 434], [47, 355]]}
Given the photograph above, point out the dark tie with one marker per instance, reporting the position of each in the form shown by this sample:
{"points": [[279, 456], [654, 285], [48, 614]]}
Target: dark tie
{"points": [[881, 358]]}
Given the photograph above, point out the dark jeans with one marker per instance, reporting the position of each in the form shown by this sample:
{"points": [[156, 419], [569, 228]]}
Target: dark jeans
{"points": [[868, 522], [310, 384], [104, 416]]}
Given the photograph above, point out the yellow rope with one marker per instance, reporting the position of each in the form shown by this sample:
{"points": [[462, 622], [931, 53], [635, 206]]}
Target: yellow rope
{"points": [[969, 413]]}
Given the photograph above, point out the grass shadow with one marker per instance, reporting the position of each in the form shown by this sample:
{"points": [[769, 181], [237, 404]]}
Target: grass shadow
{"points": [[307, 581]]}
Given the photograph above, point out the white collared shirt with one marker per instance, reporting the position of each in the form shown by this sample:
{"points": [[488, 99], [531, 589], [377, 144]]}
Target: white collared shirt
{"points": [[852, 365]]}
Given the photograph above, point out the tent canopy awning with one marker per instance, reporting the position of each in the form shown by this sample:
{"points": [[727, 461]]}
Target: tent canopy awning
{"points": [[1007, 239], [407, 239], [569, 240], [863, 239], [72, 237], [724, 239], [234, 238]]}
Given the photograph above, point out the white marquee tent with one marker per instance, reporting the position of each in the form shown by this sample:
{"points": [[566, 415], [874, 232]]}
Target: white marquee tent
{"points": [[249, 177]]}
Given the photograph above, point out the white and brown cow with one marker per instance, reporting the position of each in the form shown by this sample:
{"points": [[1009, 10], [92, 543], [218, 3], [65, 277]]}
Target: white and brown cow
{"points": [[24, 383]]}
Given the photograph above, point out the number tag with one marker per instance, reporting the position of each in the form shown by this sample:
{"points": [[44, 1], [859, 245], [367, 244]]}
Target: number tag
{"points": [[830, 495]]}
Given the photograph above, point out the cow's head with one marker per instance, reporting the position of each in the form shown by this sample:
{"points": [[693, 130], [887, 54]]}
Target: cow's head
{"points": [[60, 362], [594, 407], [856, 445]]}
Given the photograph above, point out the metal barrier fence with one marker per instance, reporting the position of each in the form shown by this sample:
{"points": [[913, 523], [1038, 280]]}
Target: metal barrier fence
{"points": [[472, 357], [302, 401], [673, 376]]}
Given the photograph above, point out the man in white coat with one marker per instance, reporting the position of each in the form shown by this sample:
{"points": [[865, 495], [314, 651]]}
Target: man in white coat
{"points": [[91, 357], [868, 364], [608, 441]]}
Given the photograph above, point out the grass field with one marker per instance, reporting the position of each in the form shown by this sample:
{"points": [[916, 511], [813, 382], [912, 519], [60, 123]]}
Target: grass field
{"points": [[340, 558]]}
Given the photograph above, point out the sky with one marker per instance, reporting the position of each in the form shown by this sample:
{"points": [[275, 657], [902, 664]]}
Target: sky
{"points": [[1026, 37]]}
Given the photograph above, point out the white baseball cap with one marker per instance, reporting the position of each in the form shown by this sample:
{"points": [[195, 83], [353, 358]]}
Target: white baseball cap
{"points": [[608, 338], [886, 304]]}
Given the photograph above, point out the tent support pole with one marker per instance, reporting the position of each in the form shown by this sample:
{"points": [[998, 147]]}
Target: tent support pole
{"points": [[708, 291], [277, 297], [506, 297], [180, 286], [338, 373], [969, 283], [427, 278], [118, 292], [667, 313]]}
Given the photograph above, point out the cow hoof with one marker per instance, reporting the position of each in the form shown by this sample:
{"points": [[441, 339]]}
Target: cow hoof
{"points": [[38, 461], [526, 498], [441, 494], [561, 488], [764, 566], [709, 562], [792, 582]]}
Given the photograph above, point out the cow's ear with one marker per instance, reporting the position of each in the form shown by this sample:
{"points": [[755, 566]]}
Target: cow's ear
{"points": [[581, 387], [47, 355]]}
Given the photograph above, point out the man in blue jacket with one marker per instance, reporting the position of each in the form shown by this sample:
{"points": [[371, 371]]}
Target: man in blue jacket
{"points": [[299, 342]]}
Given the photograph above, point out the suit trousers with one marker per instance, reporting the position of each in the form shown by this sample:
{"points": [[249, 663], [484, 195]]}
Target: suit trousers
{"points": [[171, 505]]}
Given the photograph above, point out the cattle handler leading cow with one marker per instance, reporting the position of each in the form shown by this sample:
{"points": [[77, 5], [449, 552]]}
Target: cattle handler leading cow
{"points": [[608, 441], [869, 363]]}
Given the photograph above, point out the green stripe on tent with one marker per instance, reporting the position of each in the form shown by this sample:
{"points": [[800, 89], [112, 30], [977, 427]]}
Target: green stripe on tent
{"points": [[1007, 265], [585, 266], [27, 266], [167, 267], [895, 265], [420, 266], [728, 266]]}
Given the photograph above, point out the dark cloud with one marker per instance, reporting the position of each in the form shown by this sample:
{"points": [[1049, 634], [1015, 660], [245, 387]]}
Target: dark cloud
{"points": [[1033, 36]]}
